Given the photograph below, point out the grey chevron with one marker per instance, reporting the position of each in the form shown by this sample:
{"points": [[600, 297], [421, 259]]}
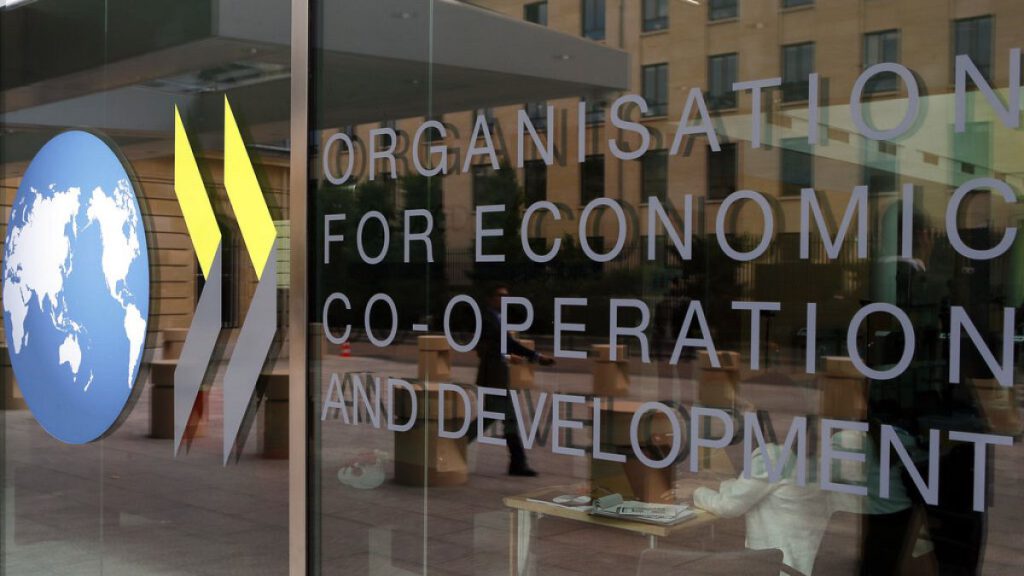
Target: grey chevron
{"points": [[250, 354], [200, 343]]}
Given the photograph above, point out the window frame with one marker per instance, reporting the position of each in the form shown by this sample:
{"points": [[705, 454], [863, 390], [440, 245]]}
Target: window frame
{"points": [[646, 161], [796, 90], [731, 100], [542, 4], [655, 107], [888, 83], [476, 172], [530, 166], [987, 71], [589, 162], [735, 11], [715, 158], [598, 9], [657, 22], [537, 112], [594, 112], [787, 149]]}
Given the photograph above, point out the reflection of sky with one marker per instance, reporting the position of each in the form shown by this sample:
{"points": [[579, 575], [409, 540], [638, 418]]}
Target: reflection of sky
{"points": [[927, 152]]}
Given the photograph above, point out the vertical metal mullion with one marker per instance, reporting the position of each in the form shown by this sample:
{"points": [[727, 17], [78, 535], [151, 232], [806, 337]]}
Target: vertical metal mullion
{"points": [[298, 497]]}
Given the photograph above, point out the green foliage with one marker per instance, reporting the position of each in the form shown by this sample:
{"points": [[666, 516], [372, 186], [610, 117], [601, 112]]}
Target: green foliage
{"points": [[417, 287]]}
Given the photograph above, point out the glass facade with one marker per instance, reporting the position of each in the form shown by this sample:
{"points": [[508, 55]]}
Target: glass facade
{"points": [[185, 98], [747, 298]]}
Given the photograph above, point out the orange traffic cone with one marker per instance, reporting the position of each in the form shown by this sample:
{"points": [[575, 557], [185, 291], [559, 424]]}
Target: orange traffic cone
{"points": [[346, 350]]}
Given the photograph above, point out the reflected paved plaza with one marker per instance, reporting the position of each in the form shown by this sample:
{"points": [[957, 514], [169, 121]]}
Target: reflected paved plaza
{"points": [[127, 506]]}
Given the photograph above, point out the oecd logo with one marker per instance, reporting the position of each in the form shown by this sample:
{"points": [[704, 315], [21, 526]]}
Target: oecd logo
{"points": [[76, 287]]}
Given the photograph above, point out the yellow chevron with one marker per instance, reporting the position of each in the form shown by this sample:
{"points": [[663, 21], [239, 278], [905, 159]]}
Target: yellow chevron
{"points": [[193, 199], [258, 231]]}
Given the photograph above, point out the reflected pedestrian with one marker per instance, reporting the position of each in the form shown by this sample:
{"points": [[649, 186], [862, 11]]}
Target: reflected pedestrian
{"points": [[493, 373]]}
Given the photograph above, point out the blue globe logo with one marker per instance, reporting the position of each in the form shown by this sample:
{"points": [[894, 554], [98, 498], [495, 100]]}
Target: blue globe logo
{"points": [[76, 287]]}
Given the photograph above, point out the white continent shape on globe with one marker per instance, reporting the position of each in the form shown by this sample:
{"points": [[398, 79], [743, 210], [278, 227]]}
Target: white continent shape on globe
{"points": [[42, 261]]}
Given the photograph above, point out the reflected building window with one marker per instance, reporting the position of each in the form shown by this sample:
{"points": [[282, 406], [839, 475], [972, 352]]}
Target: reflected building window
{"points": [[593, 19], [880, 167], [595, 111], [654, 182], [722, 71], [795, 3], [535, 181], [592, 178], [723, 169], [797, 66], [972, 152], [655, 89], [488, 114], [797, 166], [973, 37], [655, 15], [538, 114], [482, 174], [723, 9], [881, 47], [536, 12]]}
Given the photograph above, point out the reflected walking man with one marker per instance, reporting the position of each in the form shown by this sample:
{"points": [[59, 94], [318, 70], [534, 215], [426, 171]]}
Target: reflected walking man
{"points": [[493, 372]]}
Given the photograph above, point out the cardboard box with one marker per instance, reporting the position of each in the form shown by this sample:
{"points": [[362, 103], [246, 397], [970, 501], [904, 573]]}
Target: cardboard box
{"points": [[603, 353], [522, 376], [161, 405], [433, 342], [272, 426], [434, 366], [421, 456], [275, 385], [631, 479], [427, 403], [273, 429], [10, 395], [727, 360], [999, 405], [610, 378], [840, 366], [172, 341], [616, 417], [717, 387], [843, 398]]}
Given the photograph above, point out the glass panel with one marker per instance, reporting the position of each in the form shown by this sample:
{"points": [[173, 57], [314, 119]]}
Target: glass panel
{"points": [[144, 181], [825, 294]]}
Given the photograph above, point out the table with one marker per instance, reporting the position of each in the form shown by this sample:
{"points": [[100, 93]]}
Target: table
{"points": [[525, 512]]}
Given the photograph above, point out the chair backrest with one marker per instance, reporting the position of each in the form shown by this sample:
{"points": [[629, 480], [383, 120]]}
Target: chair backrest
{"points": [[659, 562]]}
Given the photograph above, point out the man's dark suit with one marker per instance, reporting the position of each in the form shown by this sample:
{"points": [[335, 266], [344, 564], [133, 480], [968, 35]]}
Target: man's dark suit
{"points": [[493, 373]]}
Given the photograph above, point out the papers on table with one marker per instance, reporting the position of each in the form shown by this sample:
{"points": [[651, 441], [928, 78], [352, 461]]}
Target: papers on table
{"points": [[662, 514], [564, 500]]}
